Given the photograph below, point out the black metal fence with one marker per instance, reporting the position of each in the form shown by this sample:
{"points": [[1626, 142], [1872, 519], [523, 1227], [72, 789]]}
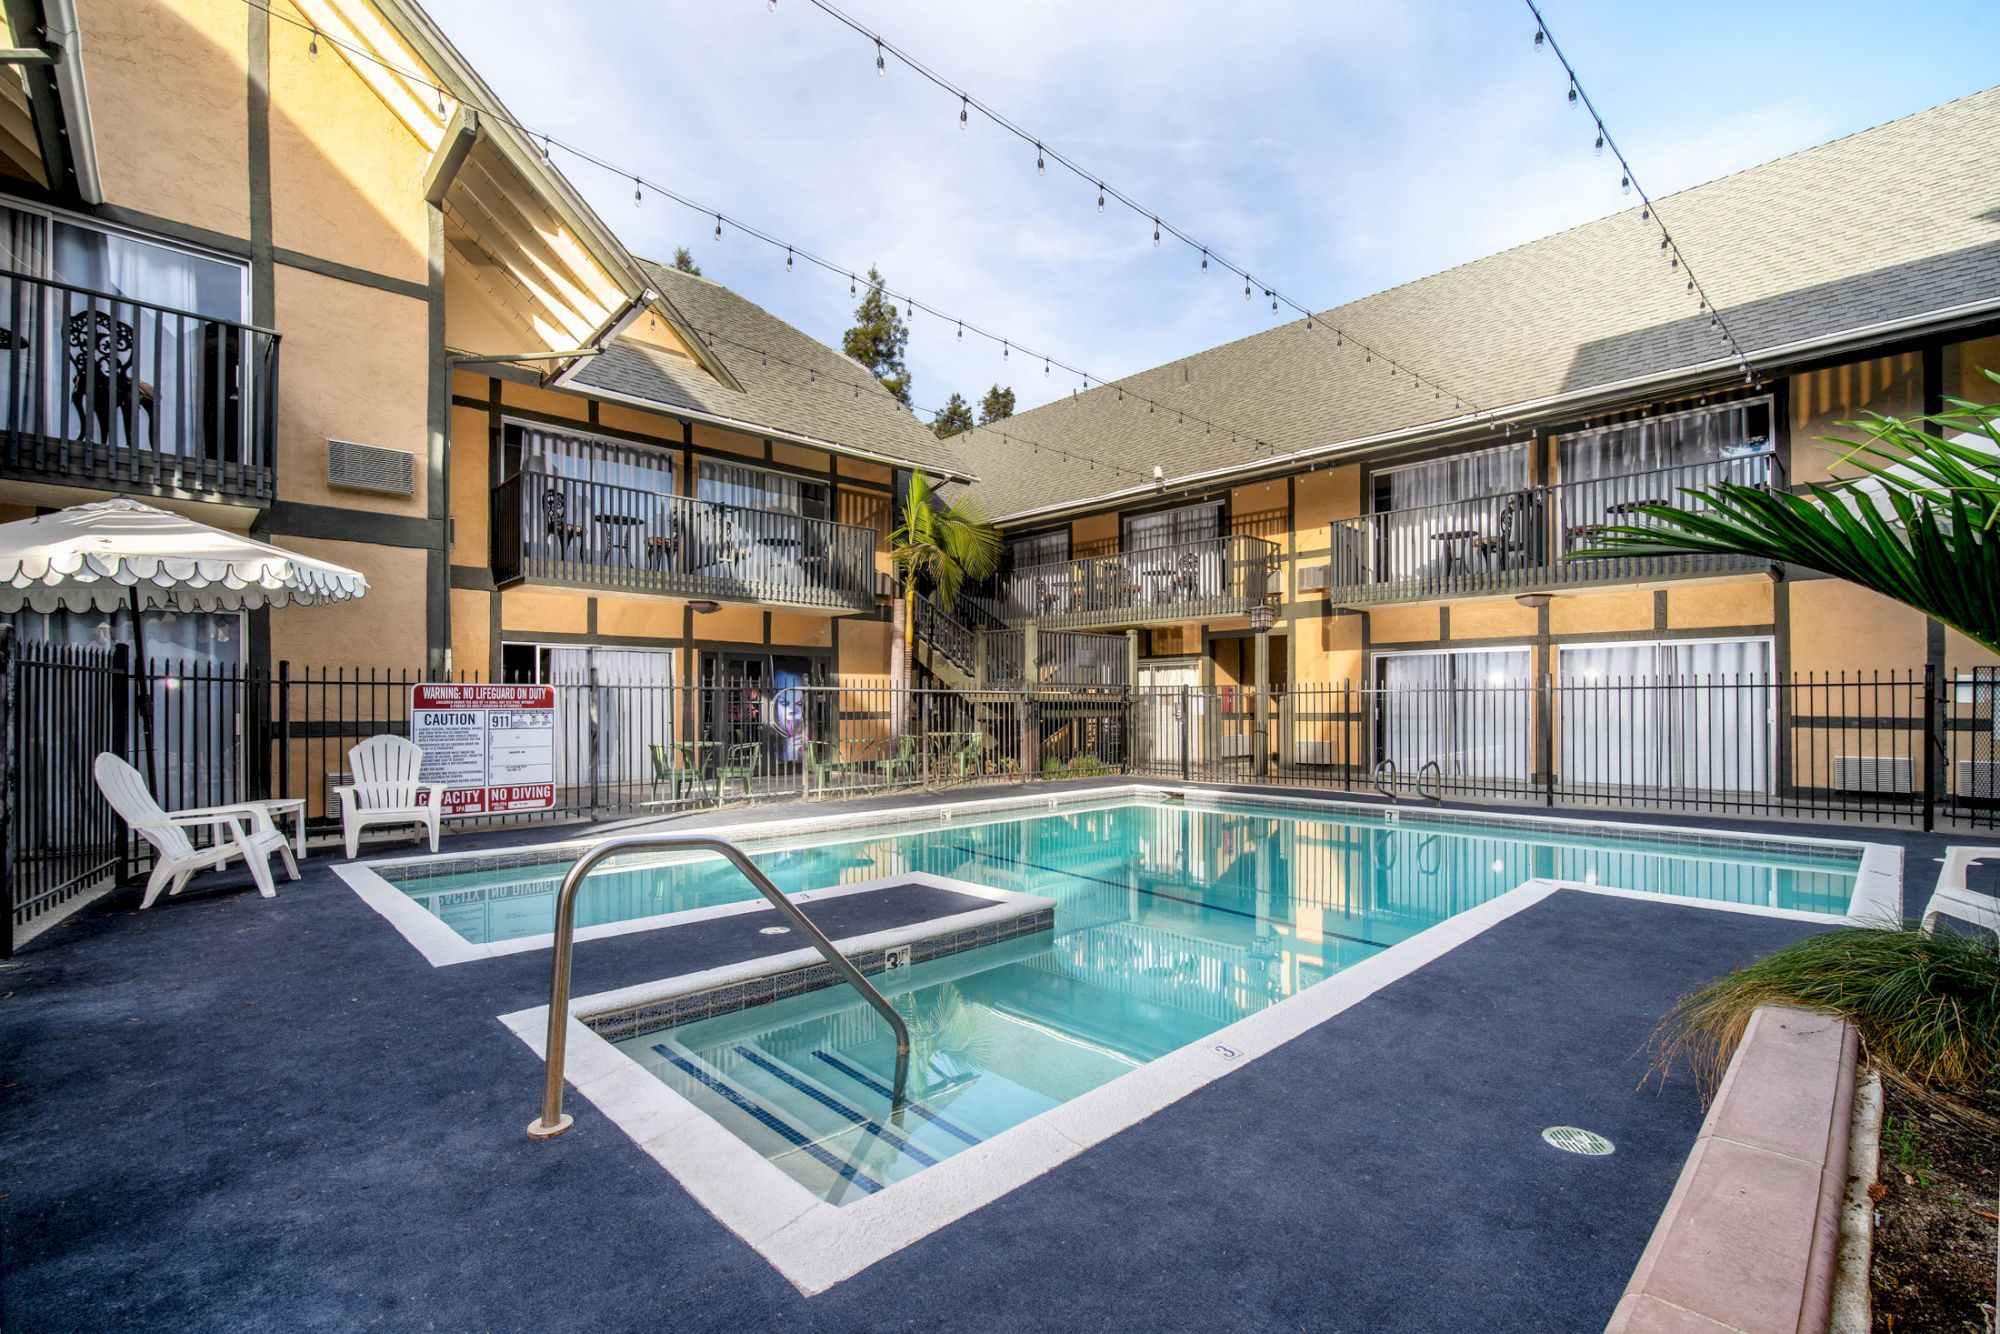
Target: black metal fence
{"points": [[1917, 749]]}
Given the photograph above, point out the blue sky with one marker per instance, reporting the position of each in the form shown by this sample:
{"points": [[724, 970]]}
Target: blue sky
{"points": [[1331, 148]]}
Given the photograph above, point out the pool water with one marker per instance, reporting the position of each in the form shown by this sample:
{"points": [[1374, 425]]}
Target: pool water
{"points": [[1172, 921]]}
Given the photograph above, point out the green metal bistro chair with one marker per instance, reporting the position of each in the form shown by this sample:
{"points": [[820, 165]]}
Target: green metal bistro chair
{"points": [[742, 763], [824, 767], [682, 778], [904, 765], [970, 754]]}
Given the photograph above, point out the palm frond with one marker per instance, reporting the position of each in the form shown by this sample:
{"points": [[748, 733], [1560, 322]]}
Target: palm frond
{"points": [[1920, 523]]}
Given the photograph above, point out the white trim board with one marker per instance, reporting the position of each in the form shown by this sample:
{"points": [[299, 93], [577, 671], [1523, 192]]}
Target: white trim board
{"points": [[815, 1244]]}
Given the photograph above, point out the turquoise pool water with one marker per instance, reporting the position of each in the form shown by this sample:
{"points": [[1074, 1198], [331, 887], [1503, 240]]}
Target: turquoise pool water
{"points": [[1172, 921]]}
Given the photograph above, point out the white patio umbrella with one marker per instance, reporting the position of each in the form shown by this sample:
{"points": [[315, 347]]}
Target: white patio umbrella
{"points": [[125, 553]]}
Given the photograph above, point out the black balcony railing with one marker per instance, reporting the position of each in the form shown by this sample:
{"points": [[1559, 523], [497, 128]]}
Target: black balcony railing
{"points": [[1222, 576], [622, 539], [1522, 540], [99, 389]]}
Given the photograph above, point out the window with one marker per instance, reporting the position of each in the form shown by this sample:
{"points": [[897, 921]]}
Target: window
{"points": [[577, 458], [1468, 711], [1038, 549], [1689, 714], [1490, 472], [756, 489], [1173, 528]]}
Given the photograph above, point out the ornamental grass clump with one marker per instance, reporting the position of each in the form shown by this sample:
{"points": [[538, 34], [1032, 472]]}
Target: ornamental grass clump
{"points": [[1926, 1007]]}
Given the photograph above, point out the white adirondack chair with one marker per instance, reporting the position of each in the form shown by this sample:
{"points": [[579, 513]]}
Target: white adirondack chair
{"points": [[386, 790], [235, 831], [1953, 897]]}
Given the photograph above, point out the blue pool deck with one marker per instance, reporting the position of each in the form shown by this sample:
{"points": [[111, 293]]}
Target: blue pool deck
{"points": [[233, 1113]]}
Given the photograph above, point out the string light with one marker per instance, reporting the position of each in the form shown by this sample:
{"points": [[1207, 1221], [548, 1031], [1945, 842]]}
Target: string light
{"points": [[312, 47], [792, 252], [881, 65], [1648, 214], [1041, 167], [1100, 196], [1044, 155], [1204, 259]]}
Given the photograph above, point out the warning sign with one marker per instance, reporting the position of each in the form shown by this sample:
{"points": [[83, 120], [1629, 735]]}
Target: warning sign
{"points": [[493, 747]]}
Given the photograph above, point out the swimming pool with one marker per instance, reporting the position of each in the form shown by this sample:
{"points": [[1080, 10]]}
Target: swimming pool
{"points": [[1175, 918], [1351, 873]]}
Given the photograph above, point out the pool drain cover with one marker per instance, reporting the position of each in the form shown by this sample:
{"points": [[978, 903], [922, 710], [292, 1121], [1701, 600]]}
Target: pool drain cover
{"points": [[774, 930], [1570, 1139]]}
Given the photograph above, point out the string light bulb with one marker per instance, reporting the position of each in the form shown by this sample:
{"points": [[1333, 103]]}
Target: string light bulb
{"points": [[312, 47], [961, 331], [441, 110], [1156, 233], [1572, 92], [964, 105], [1246, 289], [718, 226], [1540, 37], [851, 290], [1041, 166], [1005, 349], [1204, 259], [636, 197], [1599, 149], [881, 65], [1625, 184], [1100, 196], [788, 259]]}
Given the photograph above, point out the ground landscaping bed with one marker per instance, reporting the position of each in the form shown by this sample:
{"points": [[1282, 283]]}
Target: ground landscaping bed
{"points": [[1935, 1230]]}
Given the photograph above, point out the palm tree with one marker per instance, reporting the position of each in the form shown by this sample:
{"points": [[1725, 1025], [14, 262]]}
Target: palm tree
{"points": [[940, 544], [1918, 522]]}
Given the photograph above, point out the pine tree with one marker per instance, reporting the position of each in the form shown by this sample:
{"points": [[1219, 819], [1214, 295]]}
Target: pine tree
{"points": [[998, 404], [879, 338], [956, 416], [684, 261]]}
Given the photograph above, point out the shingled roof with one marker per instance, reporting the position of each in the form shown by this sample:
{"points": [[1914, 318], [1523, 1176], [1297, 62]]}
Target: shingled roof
{"points": [[791, 384], [1895, 223]]}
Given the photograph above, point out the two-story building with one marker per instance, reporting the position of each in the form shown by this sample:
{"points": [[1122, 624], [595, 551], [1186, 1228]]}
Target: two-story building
{"points": [[1409, 523], [552, 459]]}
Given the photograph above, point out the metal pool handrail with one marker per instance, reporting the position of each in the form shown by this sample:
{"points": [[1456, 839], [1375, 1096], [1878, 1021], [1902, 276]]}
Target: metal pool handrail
{"points": [[554, 1121]]}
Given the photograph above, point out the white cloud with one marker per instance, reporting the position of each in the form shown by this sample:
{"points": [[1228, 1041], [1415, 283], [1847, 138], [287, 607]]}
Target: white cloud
{"points": [[1333, 149]]}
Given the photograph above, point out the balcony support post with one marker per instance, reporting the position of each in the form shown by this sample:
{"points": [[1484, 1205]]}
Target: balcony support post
{"points": [[1131, 659]]}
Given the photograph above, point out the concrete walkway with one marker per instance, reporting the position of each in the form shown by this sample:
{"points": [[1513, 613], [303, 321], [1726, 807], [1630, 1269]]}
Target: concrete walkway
{"points": [[231, 1113]]}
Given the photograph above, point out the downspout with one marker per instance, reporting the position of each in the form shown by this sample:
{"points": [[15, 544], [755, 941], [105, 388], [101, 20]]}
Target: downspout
{"points": [[66, 35]]}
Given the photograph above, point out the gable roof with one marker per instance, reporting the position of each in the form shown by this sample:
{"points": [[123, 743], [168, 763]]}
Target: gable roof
{"points": [[786, 382], [1894, 224]]}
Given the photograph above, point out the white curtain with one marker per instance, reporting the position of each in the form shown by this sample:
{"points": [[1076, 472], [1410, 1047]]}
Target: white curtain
{"points": [[1693, 715], [633, 692], [1467, 711], [1650, 461], [179, 358], [1173, 528], [753, 488], [1418, 503]]}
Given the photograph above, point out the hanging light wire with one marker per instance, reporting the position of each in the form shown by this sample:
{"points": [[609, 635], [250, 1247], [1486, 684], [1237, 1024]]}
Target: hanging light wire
{"points": [[1649, 211], [722, 218], [1160, 223]]}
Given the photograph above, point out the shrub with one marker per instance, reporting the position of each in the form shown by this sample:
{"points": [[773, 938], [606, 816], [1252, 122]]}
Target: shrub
{"points": [[1926, 1007]]}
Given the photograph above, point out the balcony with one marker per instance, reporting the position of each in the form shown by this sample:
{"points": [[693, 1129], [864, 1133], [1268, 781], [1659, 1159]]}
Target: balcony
{"points": [[557, 530], [1206, 580], [1519, 542], [106, 392]]}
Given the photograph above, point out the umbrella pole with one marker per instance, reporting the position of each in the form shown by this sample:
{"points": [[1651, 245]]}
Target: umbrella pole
{"points": [[144, 696]]}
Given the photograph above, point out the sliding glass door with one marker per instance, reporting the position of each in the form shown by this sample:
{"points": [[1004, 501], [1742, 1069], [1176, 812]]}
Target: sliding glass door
{"points": [[1690, 715], [1468, 711]]}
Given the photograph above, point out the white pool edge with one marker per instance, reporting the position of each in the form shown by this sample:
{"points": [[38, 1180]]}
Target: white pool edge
{"points": [[1877, 894], [815, 1244]]}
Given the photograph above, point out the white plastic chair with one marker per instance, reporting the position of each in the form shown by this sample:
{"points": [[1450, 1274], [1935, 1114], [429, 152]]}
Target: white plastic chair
{"points": [[235, 831], [386, 789], [1951, 895]]}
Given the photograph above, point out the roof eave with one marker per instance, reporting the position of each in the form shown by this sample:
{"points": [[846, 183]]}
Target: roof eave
{"points": [[1769, 360]]}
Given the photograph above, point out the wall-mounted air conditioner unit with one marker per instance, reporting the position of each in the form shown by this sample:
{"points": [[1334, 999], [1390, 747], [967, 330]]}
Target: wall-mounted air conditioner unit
{"points": [[1315, 578], [1894, 774], [1977, 780]]}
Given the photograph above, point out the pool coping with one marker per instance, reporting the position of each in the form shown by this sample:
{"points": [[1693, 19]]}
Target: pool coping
{"points": [[1877, 893], [815, 1244]]}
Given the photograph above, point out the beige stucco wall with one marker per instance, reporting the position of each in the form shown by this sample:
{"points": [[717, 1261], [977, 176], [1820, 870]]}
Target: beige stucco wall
{"points": [[385, 629], [1838, 627], [1601, 613], [1704, 606], [155, 64], [354, 369], [346, 175], [1499, 618]]}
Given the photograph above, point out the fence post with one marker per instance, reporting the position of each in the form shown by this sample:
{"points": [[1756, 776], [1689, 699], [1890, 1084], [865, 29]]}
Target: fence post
{"points": [[10, 785], [590, 684], [121, 739], [1545, 750], [285, 734], [1186, 729], [1934, 747]]}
